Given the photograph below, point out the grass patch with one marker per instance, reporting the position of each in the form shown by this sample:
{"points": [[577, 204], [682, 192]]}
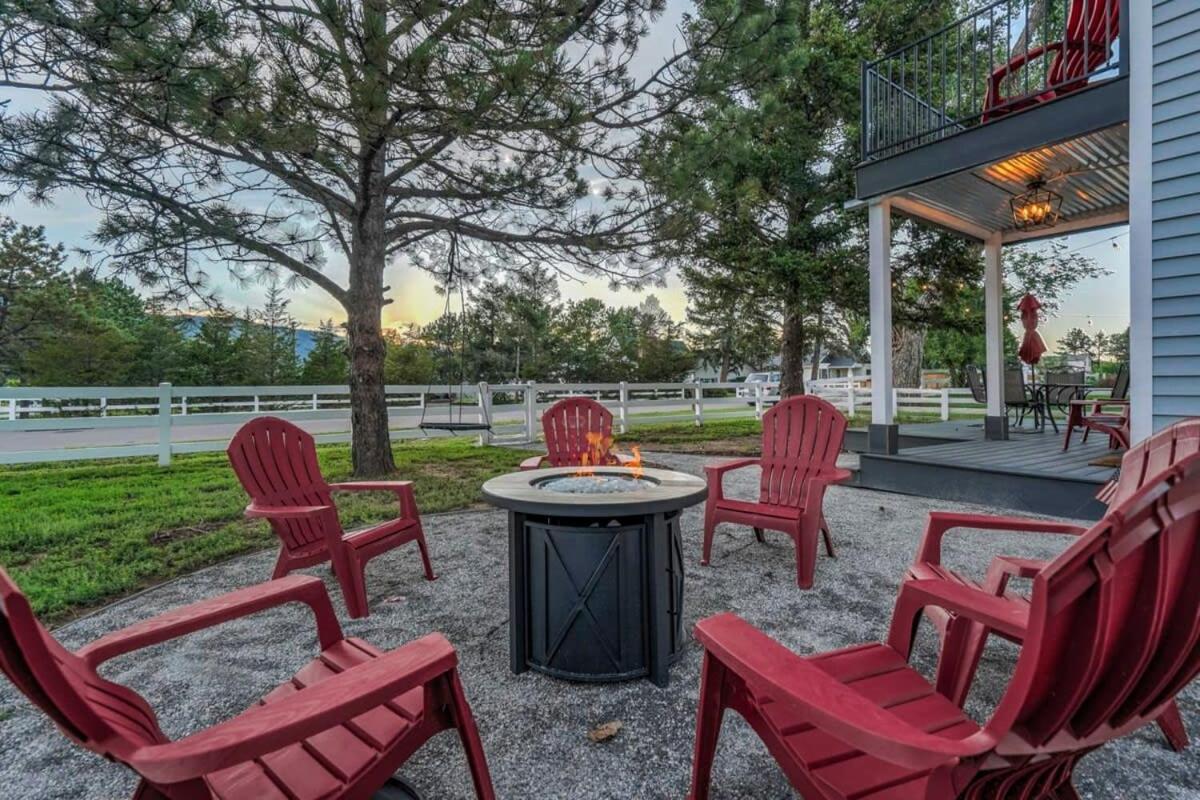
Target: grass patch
{"points": [[78, 534]]}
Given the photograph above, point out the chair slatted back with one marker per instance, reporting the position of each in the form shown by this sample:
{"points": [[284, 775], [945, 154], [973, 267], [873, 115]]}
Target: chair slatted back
{"points": [[1092, 27], [801, 435], [566, 425], [105, 717], [1114, 623], [276, 463], [1152, 455], [1014, 387]]}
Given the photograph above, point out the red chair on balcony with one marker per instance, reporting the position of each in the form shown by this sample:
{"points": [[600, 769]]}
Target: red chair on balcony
{"points": [[1111, 635], [801, 439], [567, 425], [963, 638], [339, 729], [1092, 27], [276, 463]]}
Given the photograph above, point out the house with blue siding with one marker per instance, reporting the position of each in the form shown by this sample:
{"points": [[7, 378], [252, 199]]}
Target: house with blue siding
{"points": [[1027, 120]]}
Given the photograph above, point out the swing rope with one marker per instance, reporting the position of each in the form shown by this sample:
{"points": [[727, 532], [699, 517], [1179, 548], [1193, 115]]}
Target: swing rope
{"points": [[452, 425]]}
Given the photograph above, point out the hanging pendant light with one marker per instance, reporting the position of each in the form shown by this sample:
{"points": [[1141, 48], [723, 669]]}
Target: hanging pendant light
{"points": [[1037, 207]]}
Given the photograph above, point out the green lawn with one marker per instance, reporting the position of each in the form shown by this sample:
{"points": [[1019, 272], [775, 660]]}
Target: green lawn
{"points": [[74, 535]]}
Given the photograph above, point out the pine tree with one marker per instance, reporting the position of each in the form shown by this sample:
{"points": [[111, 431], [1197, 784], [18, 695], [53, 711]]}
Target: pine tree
{"points": [[326, 363]]}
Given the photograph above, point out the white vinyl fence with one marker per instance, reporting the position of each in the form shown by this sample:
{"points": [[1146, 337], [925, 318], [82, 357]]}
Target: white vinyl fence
{"points": [[75, 423]]}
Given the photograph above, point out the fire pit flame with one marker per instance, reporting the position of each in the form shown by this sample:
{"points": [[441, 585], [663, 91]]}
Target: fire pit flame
{"points": [[600, 453]]}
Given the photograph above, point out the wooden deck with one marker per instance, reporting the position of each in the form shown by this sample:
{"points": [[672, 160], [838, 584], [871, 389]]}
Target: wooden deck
{"points": [[1029, 472]]}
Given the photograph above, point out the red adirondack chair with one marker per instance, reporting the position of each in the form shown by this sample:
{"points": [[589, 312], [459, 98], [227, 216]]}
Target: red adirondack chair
{"points": [[339, 729], [1092, 28], [276, 463], [801, 439], [1111, 635], [964, 639], [566, 426]]}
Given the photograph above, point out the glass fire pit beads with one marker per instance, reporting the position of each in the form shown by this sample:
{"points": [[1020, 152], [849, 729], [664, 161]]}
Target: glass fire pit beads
{"points": [[595, 484]]}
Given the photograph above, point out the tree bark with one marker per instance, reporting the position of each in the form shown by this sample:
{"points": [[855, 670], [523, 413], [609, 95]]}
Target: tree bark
{"points": [[818, 343], [908, 353], [371, 446], [792, 356]]}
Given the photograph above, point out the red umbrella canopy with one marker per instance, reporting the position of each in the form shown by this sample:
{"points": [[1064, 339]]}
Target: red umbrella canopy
{"points": [[1032, 346]]}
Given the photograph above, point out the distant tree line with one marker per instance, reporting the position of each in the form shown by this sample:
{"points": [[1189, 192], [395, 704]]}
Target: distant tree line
{"points": [[72, 328]]}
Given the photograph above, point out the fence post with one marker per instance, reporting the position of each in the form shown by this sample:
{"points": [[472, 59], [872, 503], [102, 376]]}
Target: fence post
{"points": [[895, 400], [183, 405], [314, 408], [622, 403], [945, 405], [531, 412], [12, 408], [698, 404], [255, 404], [758, 401], [104, 406], [850, 409], [484, 400], [164, 424]]}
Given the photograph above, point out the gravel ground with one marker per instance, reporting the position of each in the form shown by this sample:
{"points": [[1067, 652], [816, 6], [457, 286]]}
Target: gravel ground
{"points": [[533, 727]]}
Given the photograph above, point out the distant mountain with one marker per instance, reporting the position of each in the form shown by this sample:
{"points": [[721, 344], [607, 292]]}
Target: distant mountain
{"points": [[306, 338]]}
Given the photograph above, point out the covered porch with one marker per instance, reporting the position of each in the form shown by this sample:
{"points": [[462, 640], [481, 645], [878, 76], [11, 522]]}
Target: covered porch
{"points": [[1001, 154]]}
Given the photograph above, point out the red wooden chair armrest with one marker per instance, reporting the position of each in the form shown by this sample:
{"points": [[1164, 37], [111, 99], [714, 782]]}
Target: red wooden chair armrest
{"points": [[997, 613], [836, 475], [270, 727], [715, 473], [208, 613], [533, 462], [255, 511], [402, 489], [827, 702], [941, 522]]}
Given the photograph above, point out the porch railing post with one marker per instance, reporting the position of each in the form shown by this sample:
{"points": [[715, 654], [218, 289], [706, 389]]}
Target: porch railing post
{"points": [[623, 406], [164, 424], [484, 401], [530, 399]]}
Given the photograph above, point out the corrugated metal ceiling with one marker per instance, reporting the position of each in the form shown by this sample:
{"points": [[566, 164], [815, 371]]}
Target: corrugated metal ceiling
{"points": [[1091, 173]]}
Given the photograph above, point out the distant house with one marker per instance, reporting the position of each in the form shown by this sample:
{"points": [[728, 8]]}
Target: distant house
{"points": [[1077, 362]]}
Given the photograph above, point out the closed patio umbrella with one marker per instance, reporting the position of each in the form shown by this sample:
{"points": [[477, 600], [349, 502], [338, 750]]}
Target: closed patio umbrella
{"points": [[1032, 346]]}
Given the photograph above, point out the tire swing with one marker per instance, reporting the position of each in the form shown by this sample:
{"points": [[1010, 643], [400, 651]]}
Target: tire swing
{"points": [[450, 424]]}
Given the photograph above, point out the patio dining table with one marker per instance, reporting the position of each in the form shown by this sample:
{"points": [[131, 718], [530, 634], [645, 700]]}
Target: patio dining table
{"points": [[1047, 395]]}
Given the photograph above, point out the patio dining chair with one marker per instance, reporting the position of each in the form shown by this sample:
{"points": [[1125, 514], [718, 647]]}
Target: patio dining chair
{"points": [[964, 640], [276, 463], [1061, 388], [1111, 635], [801, 439], [976, 383], [566, 426], [1020, 399], [339, 729], [1108, 415]]}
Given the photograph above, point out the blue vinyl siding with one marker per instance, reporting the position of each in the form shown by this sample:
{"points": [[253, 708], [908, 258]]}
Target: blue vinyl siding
{"points": [[1176, 210]]}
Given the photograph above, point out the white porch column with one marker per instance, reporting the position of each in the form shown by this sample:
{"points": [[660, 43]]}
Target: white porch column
{"points": [[1141, 251], [883, 435], [996, 423]]}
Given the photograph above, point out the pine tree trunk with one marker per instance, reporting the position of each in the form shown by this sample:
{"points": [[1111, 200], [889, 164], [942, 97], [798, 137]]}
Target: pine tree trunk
{"points": [[792, 357], [371, 446], [908, 353]]}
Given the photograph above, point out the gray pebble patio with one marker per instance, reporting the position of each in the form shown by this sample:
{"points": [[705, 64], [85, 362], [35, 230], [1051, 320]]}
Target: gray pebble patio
{"points": [[533, 727]]}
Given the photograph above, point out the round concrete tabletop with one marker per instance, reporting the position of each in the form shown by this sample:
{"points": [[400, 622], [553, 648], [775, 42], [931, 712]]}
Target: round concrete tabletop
{"points": [[519, 491]]}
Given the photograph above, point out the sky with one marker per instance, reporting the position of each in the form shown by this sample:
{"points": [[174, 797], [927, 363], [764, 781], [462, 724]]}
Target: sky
{"points": [[1100, 304]]}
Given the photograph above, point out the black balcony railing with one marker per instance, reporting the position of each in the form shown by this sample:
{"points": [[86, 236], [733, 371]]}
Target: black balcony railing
{"points": [[1005, 57]]}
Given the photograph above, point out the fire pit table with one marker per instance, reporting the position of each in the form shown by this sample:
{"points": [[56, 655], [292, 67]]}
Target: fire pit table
{"points": [[595, 570]]}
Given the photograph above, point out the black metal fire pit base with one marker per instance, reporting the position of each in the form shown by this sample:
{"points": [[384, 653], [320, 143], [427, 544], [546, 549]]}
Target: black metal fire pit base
{"points": [[595, 580], [599, 600]]}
